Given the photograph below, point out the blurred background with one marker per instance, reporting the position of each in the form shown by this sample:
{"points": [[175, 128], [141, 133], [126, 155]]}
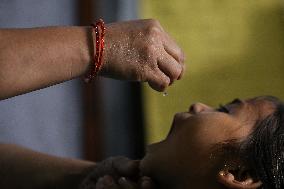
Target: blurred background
{"points": [[233, 49]]}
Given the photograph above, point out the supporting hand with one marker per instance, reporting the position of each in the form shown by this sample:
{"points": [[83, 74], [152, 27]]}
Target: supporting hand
{"points": [[116, 167]]}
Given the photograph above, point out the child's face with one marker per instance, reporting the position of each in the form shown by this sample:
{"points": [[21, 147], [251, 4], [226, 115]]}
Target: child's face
{"points": [[186, 154]]}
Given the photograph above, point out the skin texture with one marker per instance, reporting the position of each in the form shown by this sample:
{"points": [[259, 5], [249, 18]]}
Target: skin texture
{"points": [[142, 51], [187, 157], [35, 58]]}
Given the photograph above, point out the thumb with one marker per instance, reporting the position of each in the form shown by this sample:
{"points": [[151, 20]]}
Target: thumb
{"points": [[126, 167], [158, 80], [146, 183], [126, 183]]}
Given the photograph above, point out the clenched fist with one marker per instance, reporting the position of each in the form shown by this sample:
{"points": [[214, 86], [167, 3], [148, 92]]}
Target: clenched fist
{"points": [[142, 51]]}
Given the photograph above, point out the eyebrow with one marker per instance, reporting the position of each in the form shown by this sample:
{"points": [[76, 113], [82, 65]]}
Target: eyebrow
{"points": [[236, 101]]}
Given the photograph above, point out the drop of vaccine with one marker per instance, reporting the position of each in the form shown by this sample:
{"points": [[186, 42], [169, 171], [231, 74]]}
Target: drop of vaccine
{"points": [[165, 94]]}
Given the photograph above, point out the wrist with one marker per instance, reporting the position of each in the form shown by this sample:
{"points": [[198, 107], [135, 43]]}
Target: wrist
{"points": [[108, 55], [74, 179], [98, 38], [104, 71], [87, 49], [80, 42]]}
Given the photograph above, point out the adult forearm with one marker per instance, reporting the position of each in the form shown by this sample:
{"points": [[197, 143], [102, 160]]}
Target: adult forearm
{"points": [[138, 50], [35, 58], [23, 168]]}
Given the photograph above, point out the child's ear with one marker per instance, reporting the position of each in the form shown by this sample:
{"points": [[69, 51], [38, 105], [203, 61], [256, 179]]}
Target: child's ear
{"points": [[237, 179]]}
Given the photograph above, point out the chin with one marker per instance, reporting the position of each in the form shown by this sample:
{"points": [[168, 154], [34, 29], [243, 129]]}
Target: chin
{"points": [[154, 164], [152, 167], [151, 160], [145, 166]]}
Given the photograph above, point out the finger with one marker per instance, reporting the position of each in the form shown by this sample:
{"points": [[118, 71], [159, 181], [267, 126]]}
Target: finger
{"points": [[182, 71], [146, 183], [88, 185], [100, 184], [106, 182], [158, 80], [126, 167], [126, 184], [169, 66], [173, 49]]}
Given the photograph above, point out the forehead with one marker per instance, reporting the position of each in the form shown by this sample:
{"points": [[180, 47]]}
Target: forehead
{"points": [[244, 114], [261, 107]]}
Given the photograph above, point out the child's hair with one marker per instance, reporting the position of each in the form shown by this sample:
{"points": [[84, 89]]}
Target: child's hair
{"points": [[263, 150]]}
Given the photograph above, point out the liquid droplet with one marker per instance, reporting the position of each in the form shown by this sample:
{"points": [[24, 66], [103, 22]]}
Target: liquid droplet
{"points": [[165, 94]]}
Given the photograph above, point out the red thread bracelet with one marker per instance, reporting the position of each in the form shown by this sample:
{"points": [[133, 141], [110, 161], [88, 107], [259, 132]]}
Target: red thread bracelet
{"points": [[102, 44], [98, 49]]}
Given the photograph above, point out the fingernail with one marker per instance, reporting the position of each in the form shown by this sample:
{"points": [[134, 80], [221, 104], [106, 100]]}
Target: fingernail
{"points": [[122, 180], [108, 180], [100, 183], [146, 184]]}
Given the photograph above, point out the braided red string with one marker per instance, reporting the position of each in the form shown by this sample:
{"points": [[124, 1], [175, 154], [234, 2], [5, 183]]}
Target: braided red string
{"points": [[98, 49]]}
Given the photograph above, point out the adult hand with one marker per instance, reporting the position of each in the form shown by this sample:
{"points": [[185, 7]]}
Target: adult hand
{"points": [[107, 182], [116, 167], [142, 51]]}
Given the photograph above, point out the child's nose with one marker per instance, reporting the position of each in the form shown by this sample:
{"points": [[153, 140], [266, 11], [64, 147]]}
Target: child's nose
{"points": [[199, 107]]}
